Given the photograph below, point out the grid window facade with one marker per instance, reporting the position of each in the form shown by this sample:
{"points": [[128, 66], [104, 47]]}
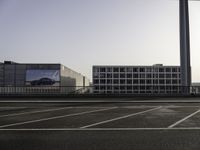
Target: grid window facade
{"points": [[136, 79]]}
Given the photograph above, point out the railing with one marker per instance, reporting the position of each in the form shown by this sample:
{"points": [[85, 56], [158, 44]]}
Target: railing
{"points": [[42, 90], [99, 90]]}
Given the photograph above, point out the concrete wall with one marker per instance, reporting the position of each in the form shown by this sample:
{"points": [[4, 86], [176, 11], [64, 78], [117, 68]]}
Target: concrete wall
{"points": [[72, 78]]}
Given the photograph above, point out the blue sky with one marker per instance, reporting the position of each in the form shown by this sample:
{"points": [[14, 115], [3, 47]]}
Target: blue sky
{"points": [[82, 33]]}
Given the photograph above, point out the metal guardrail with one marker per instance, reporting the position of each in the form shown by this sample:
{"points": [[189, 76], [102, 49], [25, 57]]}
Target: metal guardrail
{"points": [[42, 90], [98, 90]]}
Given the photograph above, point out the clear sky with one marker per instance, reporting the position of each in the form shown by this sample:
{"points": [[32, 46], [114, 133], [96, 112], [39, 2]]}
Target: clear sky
{"points": [[82, 33]]}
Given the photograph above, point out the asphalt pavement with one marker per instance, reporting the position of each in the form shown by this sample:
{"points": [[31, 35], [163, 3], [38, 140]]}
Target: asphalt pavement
{"points": [[99, 126]]}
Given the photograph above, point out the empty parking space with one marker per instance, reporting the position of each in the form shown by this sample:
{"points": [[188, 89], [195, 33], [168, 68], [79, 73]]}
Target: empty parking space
{"points": [[46, 116], [191, 122], [160, 118], [83, 126], [101, 115], [84, 119], [20, 119]]}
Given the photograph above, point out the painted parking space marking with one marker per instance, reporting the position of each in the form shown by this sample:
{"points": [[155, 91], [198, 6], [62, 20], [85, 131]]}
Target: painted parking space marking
{"points": [[185, 118], [56, 117], [97, 129], [118, 118], [33, 112]]}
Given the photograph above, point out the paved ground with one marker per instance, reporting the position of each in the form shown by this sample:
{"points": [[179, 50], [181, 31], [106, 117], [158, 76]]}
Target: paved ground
{"points": [[100, 126]]}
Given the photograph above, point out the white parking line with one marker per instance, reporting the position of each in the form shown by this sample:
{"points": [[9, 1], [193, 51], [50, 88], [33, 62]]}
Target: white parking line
{"points": [[56, 117], [47, 110], [185, 118], [98, 129], [33, 112], [101, 101], [118, 118]]}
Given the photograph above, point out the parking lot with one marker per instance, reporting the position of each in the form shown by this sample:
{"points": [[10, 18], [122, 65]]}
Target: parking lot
{"points": [[100, 125]]}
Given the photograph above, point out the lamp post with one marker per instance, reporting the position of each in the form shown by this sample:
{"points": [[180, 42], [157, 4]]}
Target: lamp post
{"points": [[184, 45]]}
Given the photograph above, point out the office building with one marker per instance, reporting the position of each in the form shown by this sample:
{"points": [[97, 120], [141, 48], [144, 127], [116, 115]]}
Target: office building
{"points": [[136, 79]]}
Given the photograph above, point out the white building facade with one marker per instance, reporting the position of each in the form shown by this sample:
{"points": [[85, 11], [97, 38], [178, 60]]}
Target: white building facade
{"points": [[136, 79]]}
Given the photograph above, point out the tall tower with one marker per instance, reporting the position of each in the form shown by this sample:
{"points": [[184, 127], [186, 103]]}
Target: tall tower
{"points": [[184, 44]]}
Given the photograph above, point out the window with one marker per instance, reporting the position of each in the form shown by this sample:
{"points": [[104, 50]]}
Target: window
{"points": [[135, 81], [148, 75], [129, 87], [122, 75], [155, 81], [168, 69], [161, 81], [135, 69], [142, 69], [174, 81], [96, 81], [142, 87], [149, 81], [102, 69], [174, 76], [168, 75], [149, 87], [109, 81], [122, 81], [156, 70], [161, 75], [155, 76], [161, 69], [142, 81], [102, 81], [162, 87], [109, 87], [102, 87], [96, 87], [148, 69], [116, 87], [135, 87], [109, 75], [135, 75], [122, 69], [122, 87], [116, 81], [174, 69], [109, 69], [168, 81], [129, 75], [129, 69], [115, 69], [129, 81], [102, 75], [142, 75], [116, 75]]}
